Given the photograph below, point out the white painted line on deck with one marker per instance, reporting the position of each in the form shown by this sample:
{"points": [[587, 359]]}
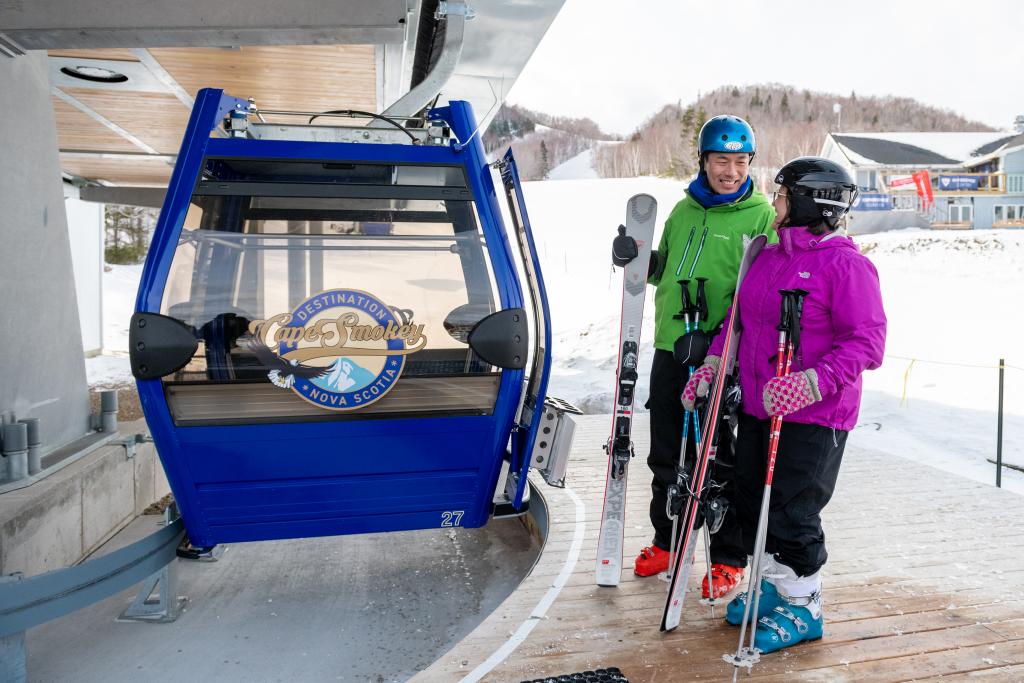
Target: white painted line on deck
{"points": [[509, 646]]}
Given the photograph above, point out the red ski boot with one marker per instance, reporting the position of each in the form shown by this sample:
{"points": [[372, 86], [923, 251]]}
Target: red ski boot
{"points": [[651, 560], [724, 578]]}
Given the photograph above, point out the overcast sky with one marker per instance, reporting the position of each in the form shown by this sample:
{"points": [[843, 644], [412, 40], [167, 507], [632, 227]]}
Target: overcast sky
{"points": [[618, 62]]}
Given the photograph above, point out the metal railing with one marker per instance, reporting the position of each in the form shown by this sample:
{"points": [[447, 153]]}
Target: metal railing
{"points": [[1001, 367]]}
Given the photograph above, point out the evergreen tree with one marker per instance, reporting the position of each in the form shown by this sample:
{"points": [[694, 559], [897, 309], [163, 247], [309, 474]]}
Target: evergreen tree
{"points": [[785, 103], [545, 163], [686, 123], [127, 230], [699, 119]]}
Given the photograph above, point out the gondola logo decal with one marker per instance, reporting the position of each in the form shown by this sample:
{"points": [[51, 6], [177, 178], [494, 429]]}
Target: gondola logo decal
{"points": [[341, 349]]}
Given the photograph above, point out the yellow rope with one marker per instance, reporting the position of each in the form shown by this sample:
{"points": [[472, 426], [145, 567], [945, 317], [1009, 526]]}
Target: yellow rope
{"points": [[906, 381], [959, 365]]}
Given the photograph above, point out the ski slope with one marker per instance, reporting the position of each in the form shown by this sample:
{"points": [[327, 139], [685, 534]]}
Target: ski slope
{"points": [[950, 298]]}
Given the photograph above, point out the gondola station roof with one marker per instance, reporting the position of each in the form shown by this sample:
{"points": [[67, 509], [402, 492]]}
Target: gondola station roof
{"points": [[124, 79]]}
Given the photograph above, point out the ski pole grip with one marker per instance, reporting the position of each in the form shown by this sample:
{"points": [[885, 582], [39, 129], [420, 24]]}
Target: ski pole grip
{"points": [[702, 299], [796, 311], [785, 310], [687, 303], [688, 308], [798, 303]]}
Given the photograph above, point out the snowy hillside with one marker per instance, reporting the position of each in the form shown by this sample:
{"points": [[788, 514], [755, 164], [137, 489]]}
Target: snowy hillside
{"points": [[579, 167], [951, 299]]}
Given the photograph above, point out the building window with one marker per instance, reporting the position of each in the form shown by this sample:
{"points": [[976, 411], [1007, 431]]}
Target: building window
{"points": [[1008, 216], [867, 179], [905, 202], [961, 213]]}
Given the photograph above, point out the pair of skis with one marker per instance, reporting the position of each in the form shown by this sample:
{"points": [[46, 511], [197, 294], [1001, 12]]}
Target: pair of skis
{"points": [[691, 314], [682, 553], [641, 218]]}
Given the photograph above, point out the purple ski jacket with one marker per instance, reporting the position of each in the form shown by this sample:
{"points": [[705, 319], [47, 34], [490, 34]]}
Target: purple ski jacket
{"points": [[842, 328]]}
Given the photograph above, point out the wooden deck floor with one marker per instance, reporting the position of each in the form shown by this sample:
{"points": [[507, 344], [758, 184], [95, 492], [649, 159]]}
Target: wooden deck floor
{"points": [[925, 581]]}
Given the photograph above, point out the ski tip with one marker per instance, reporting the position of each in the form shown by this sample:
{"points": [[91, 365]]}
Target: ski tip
{"points": [[643, 208]]}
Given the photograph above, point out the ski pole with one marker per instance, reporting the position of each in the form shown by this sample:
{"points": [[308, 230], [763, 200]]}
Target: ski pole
{"points": [[748, 656], [675, 492], [702, 314]]}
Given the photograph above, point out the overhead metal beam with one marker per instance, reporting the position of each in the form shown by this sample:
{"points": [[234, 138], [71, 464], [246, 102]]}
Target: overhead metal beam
{"points": [[161, 74], [455, 16], [498, 44], [86, 109], [101, 154], [64, 24], [152, 197]]}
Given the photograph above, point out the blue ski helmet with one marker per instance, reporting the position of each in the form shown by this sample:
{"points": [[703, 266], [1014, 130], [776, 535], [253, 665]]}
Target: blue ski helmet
{"points": [[728, 134]]}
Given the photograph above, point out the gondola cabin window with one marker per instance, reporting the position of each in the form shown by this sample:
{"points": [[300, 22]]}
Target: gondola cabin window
{"points": [[326, 291]]}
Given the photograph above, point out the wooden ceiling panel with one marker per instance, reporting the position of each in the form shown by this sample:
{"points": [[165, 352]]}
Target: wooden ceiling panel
{"points": [[108, 53], [295, 77], [154, 172], [78, 130], [158, 120]]}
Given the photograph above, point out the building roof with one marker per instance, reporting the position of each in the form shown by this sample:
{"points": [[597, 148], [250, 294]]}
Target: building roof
{"points": [[996, 149], [1009, 140], [921, 149], [889, 152]]}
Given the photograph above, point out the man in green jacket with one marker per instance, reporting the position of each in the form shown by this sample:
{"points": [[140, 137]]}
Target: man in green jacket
{"points": [[702, 245]]}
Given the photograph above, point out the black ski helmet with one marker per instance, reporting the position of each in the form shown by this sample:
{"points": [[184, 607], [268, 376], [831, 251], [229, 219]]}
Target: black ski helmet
{"points": [[820, 191]]}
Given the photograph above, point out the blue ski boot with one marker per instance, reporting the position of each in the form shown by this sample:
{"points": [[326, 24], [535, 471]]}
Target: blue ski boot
{"points": [[769, 599], [788, 624]]}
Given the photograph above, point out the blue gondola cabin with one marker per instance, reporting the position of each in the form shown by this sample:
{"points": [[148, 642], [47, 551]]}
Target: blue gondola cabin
{"points": [[335, 333]]}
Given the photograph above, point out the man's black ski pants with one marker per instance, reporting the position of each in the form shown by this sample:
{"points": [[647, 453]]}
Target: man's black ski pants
{"points": [[667, 381]]}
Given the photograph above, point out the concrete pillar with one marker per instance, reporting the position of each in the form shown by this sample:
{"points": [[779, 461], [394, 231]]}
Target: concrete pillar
{"points": [[43, 374]]}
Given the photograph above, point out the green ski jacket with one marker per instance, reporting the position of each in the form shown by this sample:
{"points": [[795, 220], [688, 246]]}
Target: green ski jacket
{"points": [[704, 243]]}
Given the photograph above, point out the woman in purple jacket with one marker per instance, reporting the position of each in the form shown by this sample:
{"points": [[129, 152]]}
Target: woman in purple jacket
{"points": [[842, 335]]}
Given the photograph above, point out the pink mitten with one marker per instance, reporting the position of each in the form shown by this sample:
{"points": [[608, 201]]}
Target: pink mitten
{"points": [[700, 381], [788, 394]]}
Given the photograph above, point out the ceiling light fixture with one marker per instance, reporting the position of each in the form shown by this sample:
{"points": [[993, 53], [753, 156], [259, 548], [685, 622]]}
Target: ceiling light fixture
{"points": [[95, 74]]}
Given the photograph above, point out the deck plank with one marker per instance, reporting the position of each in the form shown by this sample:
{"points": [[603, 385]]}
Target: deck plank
{"points": [[925, 579]]}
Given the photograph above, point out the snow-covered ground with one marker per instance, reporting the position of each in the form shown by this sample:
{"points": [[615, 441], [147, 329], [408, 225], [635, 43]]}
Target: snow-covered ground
{"points": [[951, 298], [120, 284]]}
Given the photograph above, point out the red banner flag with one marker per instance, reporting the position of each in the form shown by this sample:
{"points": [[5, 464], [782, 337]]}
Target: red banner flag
{"points": [[924, 187]]}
